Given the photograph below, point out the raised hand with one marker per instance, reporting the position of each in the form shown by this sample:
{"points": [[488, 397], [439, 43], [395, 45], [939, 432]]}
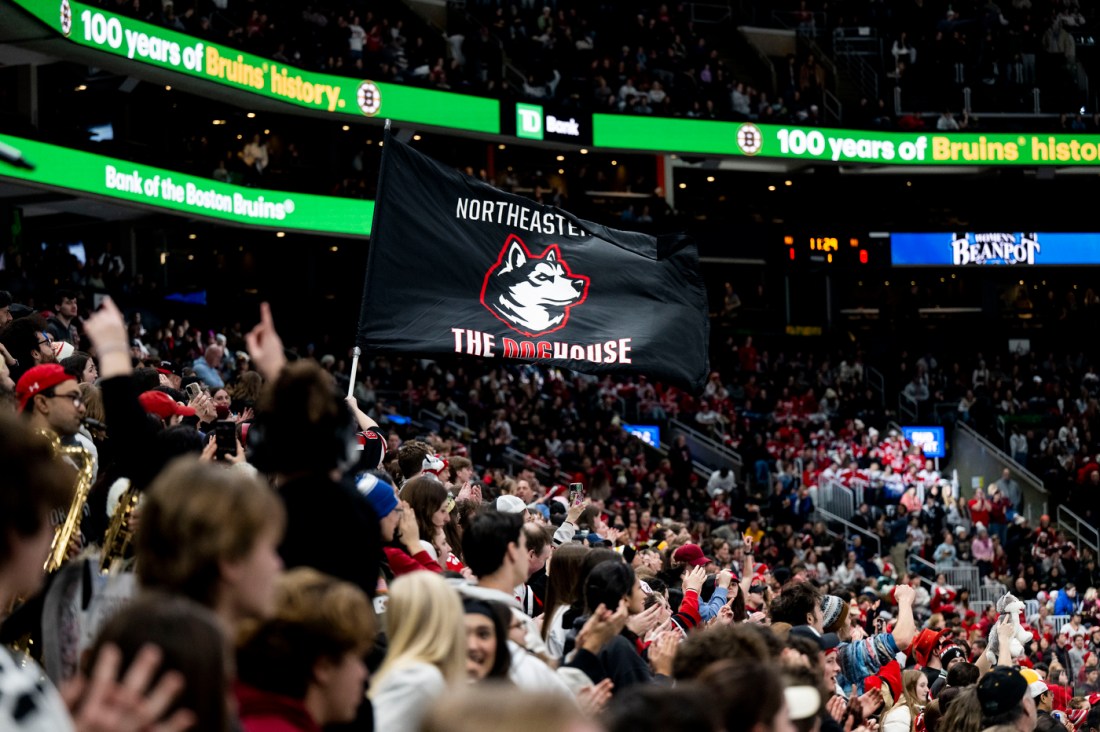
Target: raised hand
{"points": [[694, 579], [662, 652], [265, 346], [644, 621], [592, 699], [104, 704]]}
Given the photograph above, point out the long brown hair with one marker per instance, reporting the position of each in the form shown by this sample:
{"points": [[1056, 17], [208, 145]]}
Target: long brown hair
{"points": [[465, 511], [909, 680], [964, 714], [425, 496], [563, 578], [248, 388]]}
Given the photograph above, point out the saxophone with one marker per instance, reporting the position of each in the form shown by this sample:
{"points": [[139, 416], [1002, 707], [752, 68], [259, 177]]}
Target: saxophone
{"points": [[65, 531], [119, 535]]}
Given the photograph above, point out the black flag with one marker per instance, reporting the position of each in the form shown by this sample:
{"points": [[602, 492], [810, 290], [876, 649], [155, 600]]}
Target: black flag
{"points": [[457, 266]]}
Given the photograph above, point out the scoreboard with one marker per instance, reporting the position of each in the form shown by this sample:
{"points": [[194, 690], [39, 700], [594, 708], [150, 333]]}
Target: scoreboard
{"points": [[835, 249]]}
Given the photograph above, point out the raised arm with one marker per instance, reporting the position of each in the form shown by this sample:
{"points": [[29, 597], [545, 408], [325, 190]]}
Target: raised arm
{"points": [[906, 627]]}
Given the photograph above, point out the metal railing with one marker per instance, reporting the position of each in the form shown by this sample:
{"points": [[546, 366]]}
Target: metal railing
{"points": [[451, 419], [961, 576], [907, 406], [1082, 530], [855, 49], [833, 107], [823, 514], [877, 382], [793, 20], [711, 12], [992, 592], [835, 499], [545, 472], [708, 450], [925, 566], [435, 421], [1030, 483]]}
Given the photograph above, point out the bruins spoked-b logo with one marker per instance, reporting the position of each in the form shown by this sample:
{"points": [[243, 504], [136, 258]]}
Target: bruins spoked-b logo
{"points": [[369, 98], [532, 295], [749, 139], [66, 17]]}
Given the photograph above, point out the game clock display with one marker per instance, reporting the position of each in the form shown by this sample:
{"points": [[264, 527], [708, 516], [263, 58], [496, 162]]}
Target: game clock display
{"points": [[826, 249]]}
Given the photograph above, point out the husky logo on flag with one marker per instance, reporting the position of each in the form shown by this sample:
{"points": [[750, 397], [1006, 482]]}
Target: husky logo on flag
{"points": [[526, 282], [532, 295]]}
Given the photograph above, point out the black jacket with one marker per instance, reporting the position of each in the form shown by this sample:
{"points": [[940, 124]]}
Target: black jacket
{"points": [[331, 527]]}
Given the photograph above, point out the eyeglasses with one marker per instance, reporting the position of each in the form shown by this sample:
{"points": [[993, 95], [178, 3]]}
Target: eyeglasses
{"points": [[75, 396], [45, 342]]}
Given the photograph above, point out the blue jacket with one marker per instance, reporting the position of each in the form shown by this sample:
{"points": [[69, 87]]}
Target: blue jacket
{"points": [[207, 373], [1065, 605], [709, 610]]}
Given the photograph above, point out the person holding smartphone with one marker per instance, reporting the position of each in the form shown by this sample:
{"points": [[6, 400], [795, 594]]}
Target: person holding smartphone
{"points": [[201, 402]]}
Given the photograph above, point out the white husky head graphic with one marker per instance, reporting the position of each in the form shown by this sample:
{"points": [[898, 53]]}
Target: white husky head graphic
{"points": [[532, 295]]}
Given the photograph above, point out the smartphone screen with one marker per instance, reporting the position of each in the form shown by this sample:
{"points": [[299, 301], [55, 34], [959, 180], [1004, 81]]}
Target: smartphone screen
{"points": [[226, 437], [576, 493]]}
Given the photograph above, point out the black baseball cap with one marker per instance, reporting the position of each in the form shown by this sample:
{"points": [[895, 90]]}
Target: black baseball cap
{"points": [[825, 641]]}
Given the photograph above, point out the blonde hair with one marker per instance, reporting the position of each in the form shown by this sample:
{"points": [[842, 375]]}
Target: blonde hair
{"points": [[341, 610], [424, 624], [93, 402], [500, 707], [195, 516]]}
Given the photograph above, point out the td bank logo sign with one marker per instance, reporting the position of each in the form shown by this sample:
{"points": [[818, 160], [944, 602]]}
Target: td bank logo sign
{"points": [[532, 124], [529, 121]]}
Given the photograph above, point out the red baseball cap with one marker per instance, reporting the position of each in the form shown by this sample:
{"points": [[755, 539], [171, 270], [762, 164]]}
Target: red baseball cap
{"points": [[163, 405], [38, 379], [690, 554]]}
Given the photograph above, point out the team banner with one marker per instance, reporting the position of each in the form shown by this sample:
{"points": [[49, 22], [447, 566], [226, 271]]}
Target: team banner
{"points": [[457, 266]]}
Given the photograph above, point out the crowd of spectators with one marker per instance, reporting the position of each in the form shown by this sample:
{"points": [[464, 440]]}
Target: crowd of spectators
{"points": [[658, 570], [665, 62], [1000, 51], [1038, 405], [287, 543]]}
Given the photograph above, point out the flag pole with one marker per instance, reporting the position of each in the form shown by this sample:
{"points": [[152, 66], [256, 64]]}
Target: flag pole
{"points": [[354, 366], [356, 352]]}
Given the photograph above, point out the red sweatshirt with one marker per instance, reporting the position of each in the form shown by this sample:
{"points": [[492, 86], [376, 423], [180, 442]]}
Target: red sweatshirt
{"points": [[401, 563]]}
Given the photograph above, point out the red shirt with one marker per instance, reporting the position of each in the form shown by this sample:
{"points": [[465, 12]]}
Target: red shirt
{"points": [[979, 515], [401, 563], [262, 711]]}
